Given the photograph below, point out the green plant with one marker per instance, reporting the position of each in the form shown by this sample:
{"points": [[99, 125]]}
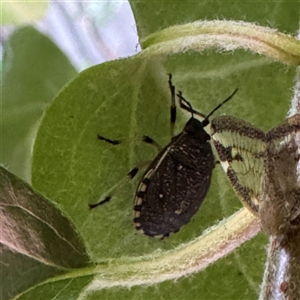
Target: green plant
{"points": [[128, 98]]}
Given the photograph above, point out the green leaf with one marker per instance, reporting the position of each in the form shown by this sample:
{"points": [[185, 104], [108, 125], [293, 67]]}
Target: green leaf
{"points": [[152, 16], [128, 272], [37, 240], [126, 99], [34, 70]]}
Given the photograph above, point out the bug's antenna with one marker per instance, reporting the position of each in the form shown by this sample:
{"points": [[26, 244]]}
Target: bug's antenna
{"points": [[206, 121], [192, 111]]}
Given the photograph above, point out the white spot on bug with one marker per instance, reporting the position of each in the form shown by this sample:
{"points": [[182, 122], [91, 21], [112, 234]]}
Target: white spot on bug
{"points": [[180, 210], [161, 196], [138, 201], [159, 236], [137, 224], [142, 187], [141, 231], [225, 165], [179, 167], [149, 173]]}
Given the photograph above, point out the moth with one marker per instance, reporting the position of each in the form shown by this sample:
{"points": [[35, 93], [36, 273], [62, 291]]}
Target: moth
{"points": [[176, 182], [264, 170]]}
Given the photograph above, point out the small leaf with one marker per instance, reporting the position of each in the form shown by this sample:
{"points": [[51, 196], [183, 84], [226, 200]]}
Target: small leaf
{"points": [[34, 70], [37, 240]]}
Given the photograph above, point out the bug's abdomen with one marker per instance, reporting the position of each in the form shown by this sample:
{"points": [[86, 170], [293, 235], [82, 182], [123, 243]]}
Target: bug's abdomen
{"points": [[173, 188]]}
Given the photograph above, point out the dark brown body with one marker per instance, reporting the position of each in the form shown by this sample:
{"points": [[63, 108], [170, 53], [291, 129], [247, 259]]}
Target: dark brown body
{"points": [[176, 183]]}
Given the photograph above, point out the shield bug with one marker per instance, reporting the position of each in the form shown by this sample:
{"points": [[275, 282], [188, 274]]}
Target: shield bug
{"points": [[177, 180]]}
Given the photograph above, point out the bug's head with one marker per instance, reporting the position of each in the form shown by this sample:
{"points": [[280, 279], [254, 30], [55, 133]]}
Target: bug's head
{"points": [[194, 129]]}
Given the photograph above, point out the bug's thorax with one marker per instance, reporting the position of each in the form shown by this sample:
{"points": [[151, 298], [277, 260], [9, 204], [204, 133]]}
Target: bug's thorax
{"points": [[191, 147], [194, 129]]}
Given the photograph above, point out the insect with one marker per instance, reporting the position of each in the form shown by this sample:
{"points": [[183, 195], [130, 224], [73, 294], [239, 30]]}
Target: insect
{"points": [[177, 180], [264, 169]]}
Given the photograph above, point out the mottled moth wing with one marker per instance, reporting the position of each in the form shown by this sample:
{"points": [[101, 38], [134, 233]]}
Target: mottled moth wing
{"points": [[279, 211], [241, 148], [280, 199], [174, 186], [264, 169]]}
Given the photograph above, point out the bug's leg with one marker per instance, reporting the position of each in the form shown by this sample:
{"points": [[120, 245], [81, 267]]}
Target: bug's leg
{"points": [[172, 107], [133, 172], [112, 142], [130, 175], [146, 139]]}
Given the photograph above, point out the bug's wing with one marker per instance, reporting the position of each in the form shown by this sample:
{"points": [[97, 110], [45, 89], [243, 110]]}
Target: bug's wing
{"points": [[241, 148], [280, 200], [173, 188]]}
